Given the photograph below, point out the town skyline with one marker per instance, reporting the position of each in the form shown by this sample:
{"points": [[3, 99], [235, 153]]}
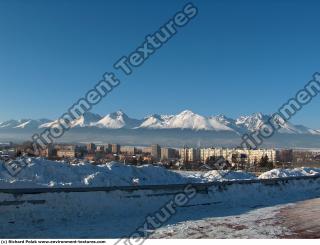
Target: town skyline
{"points": [[129, 121]]}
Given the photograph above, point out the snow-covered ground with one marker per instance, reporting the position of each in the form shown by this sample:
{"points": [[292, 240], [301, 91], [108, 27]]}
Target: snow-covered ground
{"points": [[230, 223], [209, 221], [291, 220], [281, 173], [44, 173], [216, 175], [117, 213], [47, 173]]}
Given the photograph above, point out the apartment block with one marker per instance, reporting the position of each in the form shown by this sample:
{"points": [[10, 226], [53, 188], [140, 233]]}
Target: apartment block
{"points": [[189, 154], [248, 155], [66, 152], [129, 150], [91, 147], [156, 151], [115, 148], [168, 153]]}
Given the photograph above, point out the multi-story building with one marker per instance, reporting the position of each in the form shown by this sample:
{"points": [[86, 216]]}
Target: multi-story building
{"points": [[48, 152], [66, 151], [206, 153], [155, 151], [91, 147], [302, 156], [100, 148], [247, 155], [189, 154], [168, 154], [146, 150], [115, 148], [128, 150], [284, 155], [108, 148]]}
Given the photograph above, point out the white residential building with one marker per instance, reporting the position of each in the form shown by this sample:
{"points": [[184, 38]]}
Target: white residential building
{"points": [[189, 154], [250, 156]]}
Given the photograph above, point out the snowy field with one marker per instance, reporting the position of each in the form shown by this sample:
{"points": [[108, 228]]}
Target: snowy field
{"points": [[246, 209]]}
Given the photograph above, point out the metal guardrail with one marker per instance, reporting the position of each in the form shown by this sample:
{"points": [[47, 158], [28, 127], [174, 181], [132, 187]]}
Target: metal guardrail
{"points": [[197, 186]]}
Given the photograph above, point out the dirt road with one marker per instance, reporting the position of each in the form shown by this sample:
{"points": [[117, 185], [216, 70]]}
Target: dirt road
{"points": [[302, 219]]}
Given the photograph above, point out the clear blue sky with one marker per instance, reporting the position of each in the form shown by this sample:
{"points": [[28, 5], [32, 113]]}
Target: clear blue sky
{"points": [[235, 57]]}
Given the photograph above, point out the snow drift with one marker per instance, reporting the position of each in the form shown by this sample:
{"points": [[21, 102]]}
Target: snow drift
{"points": [[118, 213], [296, 172], [48, 173], [45, 173], [217, 175]]}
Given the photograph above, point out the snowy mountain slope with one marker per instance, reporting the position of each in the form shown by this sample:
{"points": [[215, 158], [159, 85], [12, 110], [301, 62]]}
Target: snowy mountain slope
{"points": [[86, 120], [32, 123], [189, 120], [156, 121], [23, 123], [228, 123], [256, 120], [184, 120], [10, 123], [305, 130], [289, 128], [117, 120], [48, 124], [252, 122]]}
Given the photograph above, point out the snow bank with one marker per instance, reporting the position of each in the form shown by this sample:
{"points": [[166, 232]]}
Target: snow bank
{"points": [[296, 172], [223, 175], [47, 173], [119, 213], [216, 175]]}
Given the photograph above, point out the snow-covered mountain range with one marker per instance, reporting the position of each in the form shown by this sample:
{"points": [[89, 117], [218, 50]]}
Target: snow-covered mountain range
{"points": [[184, 120], [24, 123]]}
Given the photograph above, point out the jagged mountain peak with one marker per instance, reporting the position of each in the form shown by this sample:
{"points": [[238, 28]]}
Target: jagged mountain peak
{"points": [[87, 119], [153, 116], [117, 120], [252, 122], [118, 113], [186, 119], [153, 121], [187, 112]]}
